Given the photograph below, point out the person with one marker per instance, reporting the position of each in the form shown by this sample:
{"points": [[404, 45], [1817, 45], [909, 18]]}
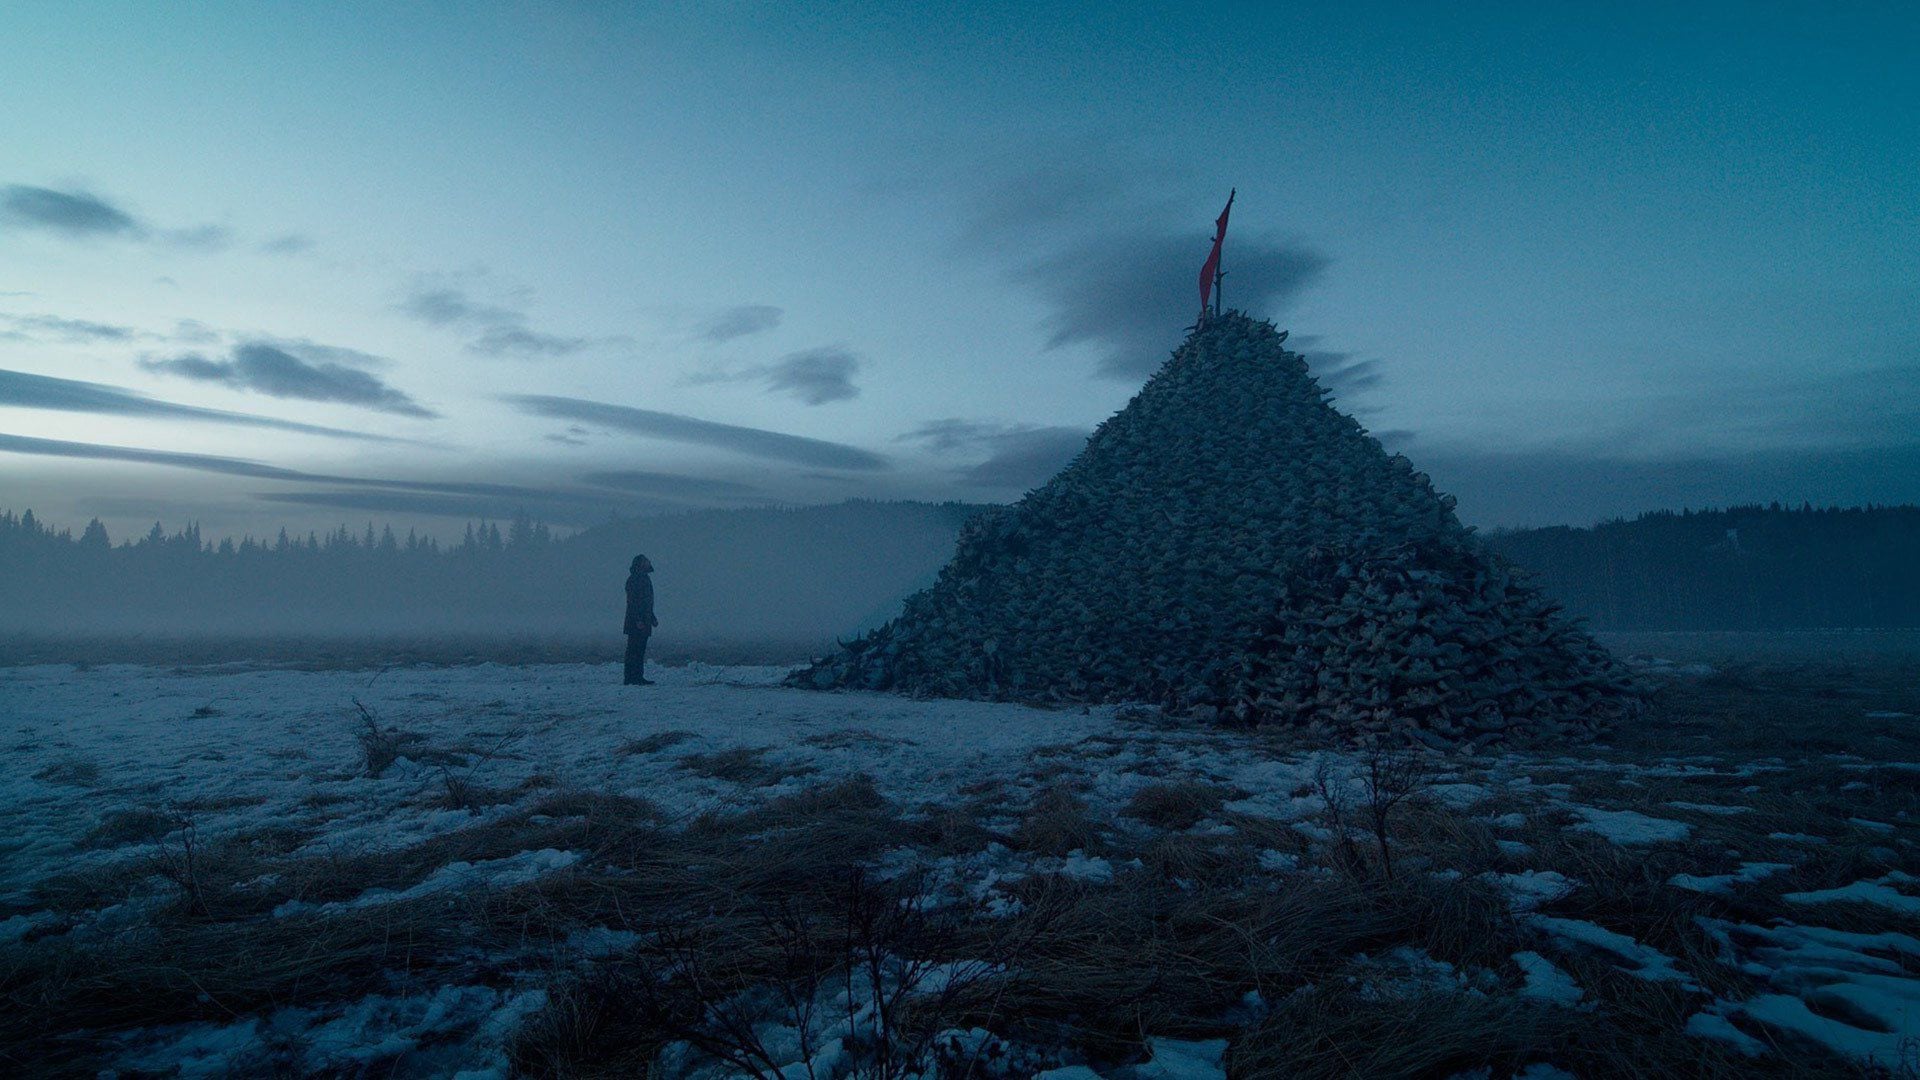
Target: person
{"points": [[640, 620]]}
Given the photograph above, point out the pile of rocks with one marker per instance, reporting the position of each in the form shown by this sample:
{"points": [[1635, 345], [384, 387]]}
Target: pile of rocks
{"points": [[1231, 544]]}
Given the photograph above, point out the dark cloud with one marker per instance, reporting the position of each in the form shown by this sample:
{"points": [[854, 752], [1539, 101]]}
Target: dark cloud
{"points": [[454, 498], [672, 486], [23, 444], [82, 215], [286, 244], [520, 341], [70, 213], [1127, 293], [815, 376], [739, 322], [1012, 456], [499, 330], [453, 307], [19, 389], [275, 372], [1115, 265], [754, 442], [28, 327]]}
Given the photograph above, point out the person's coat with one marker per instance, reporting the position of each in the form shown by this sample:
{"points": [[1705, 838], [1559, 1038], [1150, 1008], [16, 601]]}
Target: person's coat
{"points": [[640, 620]]}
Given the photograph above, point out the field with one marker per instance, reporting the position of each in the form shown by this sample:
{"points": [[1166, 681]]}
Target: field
{"points": [[492, 870]]}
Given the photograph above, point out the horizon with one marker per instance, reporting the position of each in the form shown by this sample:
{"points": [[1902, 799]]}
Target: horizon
{"points": [[1577, 265]]}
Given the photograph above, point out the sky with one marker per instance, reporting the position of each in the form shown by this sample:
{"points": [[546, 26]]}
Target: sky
{"points": [[300, 265]]}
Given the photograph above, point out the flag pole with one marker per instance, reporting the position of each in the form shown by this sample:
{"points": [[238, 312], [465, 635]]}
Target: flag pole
{"points": [[1219, 275]]}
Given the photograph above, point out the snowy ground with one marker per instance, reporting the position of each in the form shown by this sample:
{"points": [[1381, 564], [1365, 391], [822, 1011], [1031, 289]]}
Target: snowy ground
{"points": [[1744, 895]]}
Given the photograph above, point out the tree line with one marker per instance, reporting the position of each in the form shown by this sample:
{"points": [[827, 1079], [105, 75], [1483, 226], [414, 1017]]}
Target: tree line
{"points": [[809, 575]]}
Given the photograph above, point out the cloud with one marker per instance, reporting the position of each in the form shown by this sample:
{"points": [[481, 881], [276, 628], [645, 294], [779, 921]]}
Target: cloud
{"points": [[64, 329], [1014, 456], [286, 244], [1127, 293], [275, 372], [738, 322], [1114, 265], [451, 307], [555, 509], [23, 444], [451, 498], [501, 331], [753, 442], [520, 341], [198, 238], [670, 485], [81, 215], [814, 376], [21, 390], [68, 213]]}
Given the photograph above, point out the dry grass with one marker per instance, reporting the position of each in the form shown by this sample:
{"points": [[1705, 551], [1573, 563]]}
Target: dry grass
{"points": [[72, 772], [761, 905], [1057, 824], [1179, 805], [744, 765], [654, 743]]}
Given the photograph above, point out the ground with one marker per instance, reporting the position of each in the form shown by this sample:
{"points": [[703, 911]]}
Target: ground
{"points": [[496, 870]]}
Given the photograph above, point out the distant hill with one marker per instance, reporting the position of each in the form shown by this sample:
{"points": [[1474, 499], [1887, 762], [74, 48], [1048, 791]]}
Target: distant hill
{"points": [[802, 578], [1746, 568]]}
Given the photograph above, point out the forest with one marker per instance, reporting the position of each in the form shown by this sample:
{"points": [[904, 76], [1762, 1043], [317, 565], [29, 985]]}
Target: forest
{"points": [[807, 576]]}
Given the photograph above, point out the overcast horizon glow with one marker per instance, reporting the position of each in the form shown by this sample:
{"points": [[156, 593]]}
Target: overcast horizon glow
{"points": [[277, 266]]}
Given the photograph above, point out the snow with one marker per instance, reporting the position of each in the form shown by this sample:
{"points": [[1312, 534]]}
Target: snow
{"points": [[1720, 809], [283, 747], [1877, 891], [354, 1038], [1629, 827], [1174, 1059], [1530, 890], [1867, 1000], [491, 873], [1546, 981], [1648, 963], [1722, 884], [1707, 1025]]}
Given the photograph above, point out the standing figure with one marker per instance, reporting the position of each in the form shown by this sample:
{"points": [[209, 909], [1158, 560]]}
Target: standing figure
{"points": [[640, 620]]}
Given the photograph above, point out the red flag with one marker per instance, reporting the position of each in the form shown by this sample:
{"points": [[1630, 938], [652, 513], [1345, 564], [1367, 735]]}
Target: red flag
{"points": [[1212, 266]]}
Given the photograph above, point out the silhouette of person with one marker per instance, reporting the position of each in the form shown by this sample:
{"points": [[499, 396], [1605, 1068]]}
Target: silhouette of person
{"points": [[640, 620]]}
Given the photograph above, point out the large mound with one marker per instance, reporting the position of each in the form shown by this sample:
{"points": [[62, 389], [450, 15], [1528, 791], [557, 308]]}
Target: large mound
{"points": [[1230, 541]]}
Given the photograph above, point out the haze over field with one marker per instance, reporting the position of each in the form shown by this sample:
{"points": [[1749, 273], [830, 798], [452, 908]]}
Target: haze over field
{"points": [[293, 267]]}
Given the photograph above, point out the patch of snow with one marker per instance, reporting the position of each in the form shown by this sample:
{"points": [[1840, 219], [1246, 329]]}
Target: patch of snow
{"points": [[1459, 796], [1279, 860], [1876, 891], [1722, 809], [1722, 884], [1530, 890], [1629, 827], [1514, 849], [1546, 981], [1648, 963], [1872, 826], [1796, 838], [1177, 1059], [1711, 1025], [488, 873]]}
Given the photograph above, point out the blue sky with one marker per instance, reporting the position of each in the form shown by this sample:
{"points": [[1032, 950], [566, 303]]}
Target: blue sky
{"points": [[418, 262]]}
